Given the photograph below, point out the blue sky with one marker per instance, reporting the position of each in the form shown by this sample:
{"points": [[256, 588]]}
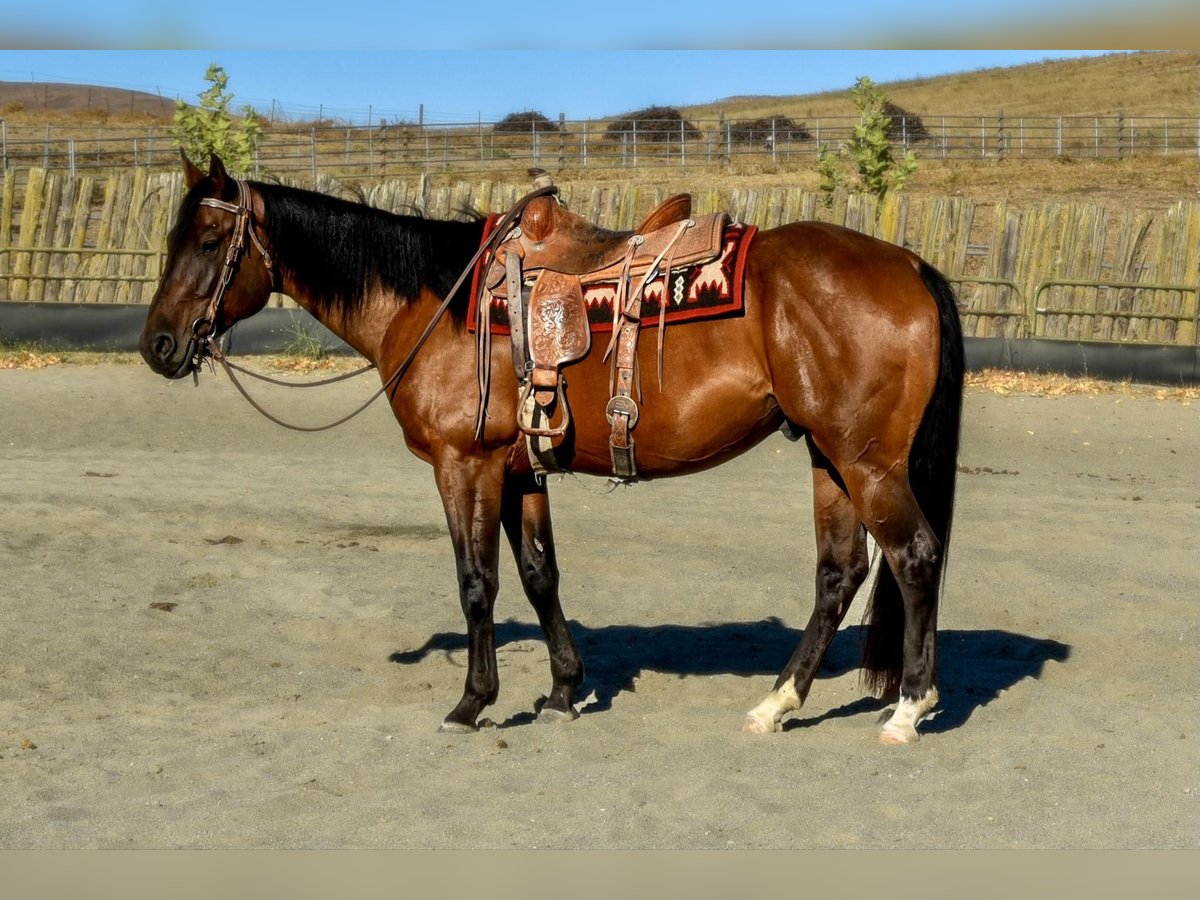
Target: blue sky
{"points": [[460, 86], [612, 24], [463, 59]]}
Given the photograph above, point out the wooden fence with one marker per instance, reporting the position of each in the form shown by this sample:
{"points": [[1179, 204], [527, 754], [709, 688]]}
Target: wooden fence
{"points": [[1078, 271]]}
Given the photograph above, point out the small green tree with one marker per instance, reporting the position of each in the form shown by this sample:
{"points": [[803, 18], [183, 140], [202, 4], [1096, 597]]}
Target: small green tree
{"points": [[208, 129], [868, 149]]}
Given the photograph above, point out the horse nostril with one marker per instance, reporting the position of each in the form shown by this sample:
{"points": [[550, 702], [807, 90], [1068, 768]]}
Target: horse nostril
{"points": [[164, 346]]}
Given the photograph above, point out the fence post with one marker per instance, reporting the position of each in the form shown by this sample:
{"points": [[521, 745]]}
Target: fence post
{"points": [[46, 150], [1121, 134], [312, 138], [1060, 142], [587, 128], [71, 152], [562, 141], [682, 145], [635, 143], [945, 149], [1001, 139], [773, 158]]}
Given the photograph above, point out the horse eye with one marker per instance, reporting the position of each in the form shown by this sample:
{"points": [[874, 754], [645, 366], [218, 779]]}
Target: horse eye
{"points": [[209, 247]]}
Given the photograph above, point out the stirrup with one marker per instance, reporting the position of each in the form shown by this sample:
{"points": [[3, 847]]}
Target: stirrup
{"points": [[526, 406]]}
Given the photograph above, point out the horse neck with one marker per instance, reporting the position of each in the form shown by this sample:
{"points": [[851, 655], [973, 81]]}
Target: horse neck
{"points": [[375, 262]]}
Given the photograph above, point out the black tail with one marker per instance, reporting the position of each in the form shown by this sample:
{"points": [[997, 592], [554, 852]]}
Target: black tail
{"points": [[932, 467]]}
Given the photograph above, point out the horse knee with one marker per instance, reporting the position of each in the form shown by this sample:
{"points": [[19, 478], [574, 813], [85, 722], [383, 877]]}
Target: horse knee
{"points": [[837, 583], [539, 578], [477, 593]]}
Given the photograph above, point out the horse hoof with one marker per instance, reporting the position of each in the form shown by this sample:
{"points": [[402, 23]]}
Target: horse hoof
{"points": [[898, 734], [449, 727], [549, 716], [753, 724]]}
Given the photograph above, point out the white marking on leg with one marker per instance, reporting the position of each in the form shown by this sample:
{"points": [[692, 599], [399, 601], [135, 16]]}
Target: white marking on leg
{"points": [[901, 728], [765, 717]]}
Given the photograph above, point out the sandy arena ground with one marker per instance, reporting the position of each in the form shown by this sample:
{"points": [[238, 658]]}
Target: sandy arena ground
{"points": [[217, 633]]}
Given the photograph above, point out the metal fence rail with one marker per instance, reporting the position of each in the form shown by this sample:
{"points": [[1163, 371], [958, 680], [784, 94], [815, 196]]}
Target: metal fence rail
{"points": [[407, 148]]}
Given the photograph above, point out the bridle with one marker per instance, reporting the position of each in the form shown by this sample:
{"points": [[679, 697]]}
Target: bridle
{"points": [[204, 338], [203, 328]]}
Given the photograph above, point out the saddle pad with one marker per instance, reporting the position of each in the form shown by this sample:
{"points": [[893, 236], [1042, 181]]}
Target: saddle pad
{"points": [[696, 292]]}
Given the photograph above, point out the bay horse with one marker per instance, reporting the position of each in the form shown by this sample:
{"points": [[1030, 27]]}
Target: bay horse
{"points": [[848, 342]]}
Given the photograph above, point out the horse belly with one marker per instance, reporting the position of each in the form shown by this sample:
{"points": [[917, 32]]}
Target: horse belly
{"points": [[714, 403]]}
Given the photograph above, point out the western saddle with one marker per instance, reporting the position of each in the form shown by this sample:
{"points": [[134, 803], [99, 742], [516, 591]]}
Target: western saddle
{"points": [[540, 268]]}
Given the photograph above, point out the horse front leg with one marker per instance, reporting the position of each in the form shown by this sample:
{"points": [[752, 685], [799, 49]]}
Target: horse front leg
{"points": [[472, 490], [526, 519]]}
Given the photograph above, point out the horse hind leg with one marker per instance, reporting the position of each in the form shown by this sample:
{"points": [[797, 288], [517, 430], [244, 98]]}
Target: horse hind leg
{"points": [[525, 516], [913, 555], [842, 566]]}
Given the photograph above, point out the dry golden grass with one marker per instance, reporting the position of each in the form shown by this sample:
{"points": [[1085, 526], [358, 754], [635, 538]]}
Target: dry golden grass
{"points": [[32, 356], [1141, 84], [303, 365], [1148, 182], [28, 359], [1004, 383]]}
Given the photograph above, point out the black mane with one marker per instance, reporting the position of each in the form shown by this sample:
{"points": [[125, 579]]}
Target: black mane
{"points": [[341, 250]]}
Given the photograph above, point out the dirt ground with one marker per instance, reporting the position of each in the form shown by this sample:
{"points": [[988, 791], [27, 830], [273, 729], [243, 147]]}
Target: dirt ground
{"points": [[217, 633]]}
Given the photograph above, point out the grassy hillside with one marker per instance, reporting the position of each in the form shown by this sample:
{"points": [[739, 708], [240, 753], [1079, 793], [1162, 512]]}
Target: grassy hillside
{"points": [[1144, 84], [23, 101]]}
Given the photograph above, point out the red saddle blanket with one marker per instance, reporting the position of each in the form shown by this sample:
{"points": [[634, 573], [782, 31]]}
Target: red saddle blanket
{"points": [[696, 292]]}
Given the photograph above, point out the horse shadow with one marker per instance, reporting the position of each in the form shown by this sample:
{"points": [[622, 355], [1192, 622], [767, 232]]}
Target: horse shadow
{"points": [[974, 667]]}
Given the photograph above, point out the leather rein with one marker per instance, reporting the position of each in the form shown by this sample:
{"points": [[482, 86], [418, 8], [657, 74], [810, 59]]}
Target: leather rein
{"points": [[206, 340]]}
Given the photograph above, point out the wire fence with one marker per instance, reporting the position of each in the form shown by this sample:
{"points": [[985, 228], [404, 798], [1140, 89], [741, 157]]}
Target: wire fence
{"points": [[483, 148]]}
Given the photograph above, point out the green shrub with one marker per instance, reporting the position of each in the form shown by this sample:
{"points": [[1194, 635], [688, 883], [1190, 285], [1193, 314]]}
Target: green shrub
{"points": [[868, 150], [208, 129]]}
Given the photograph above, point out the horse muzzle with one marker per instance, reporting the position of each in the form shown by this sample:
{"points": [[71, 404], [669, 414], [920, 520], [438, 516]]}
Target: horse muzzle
{"points": [[166, 355]]}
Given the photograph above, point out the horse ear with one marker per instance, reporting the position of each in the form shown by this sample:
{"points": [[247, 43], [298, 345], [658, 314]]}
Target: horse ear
{"points": [[216, 171], [191, 174]]}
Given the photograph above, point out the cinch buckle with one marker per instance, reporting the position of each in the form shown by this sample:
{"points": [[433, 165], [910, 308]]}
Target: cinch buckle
{"points": [[622, 406]]}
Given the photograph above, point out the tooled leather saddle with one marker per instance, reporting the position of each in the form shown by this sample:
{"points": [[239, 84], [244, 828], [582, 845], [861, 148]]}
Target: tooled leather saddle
{"points": [[540, 269]]}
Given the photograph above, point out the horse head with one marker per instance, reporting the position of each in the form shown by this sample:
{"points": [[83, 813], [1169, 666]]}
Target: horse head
{"points": [[218, 271]]}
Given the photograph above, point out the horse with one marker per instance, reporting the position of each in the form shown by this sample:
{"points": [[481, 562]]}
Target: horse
{"points": [[846, 343]]}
